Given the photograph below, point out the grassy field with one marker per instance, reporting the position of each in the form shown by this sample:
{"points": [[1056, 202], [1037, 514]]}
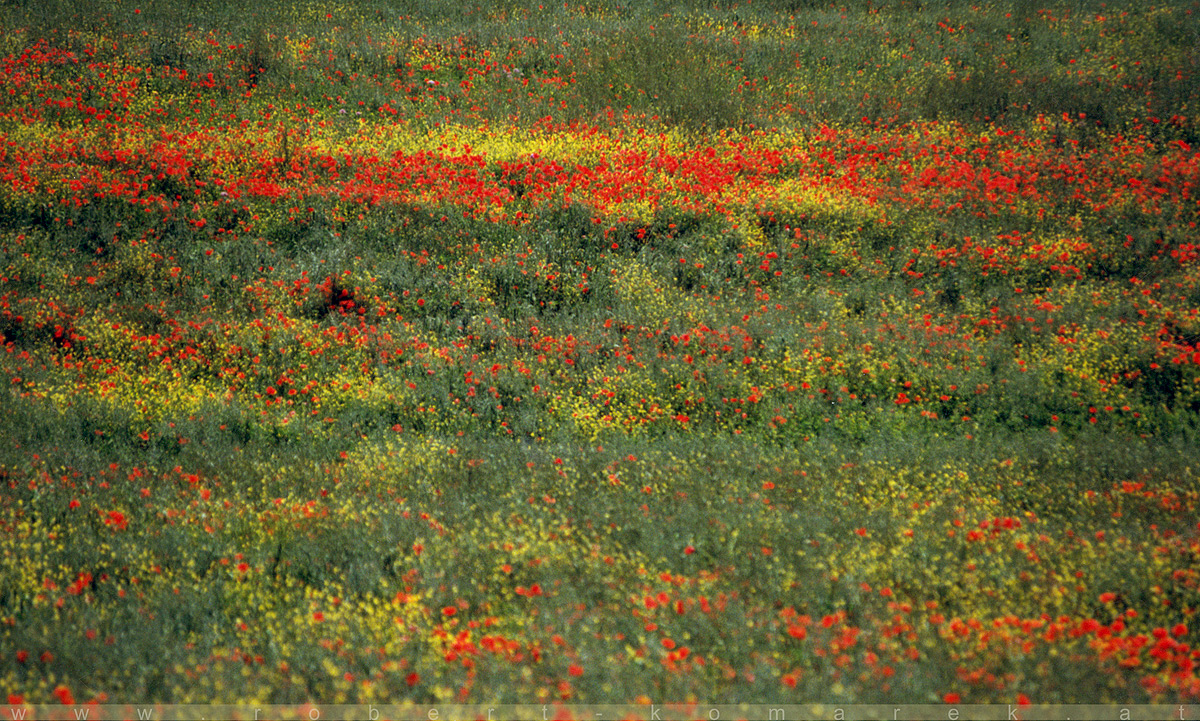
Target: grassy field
{"points": [[600, 352]]}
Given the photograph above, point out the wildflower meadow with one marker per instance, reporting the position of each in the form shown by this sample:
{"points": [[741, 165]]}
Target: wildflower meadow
{"points": [[599, 351]]}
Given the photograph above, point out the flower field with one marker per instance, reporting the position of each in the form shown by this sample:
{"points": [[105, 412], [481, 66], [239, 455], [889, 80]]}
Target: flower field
{"points": [[600, 352]]}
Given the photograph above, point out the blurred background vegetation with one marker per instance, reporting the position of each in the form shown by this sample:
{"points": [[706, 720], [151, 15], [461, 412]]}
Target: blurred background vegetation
{"points": [[763, 63]]}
